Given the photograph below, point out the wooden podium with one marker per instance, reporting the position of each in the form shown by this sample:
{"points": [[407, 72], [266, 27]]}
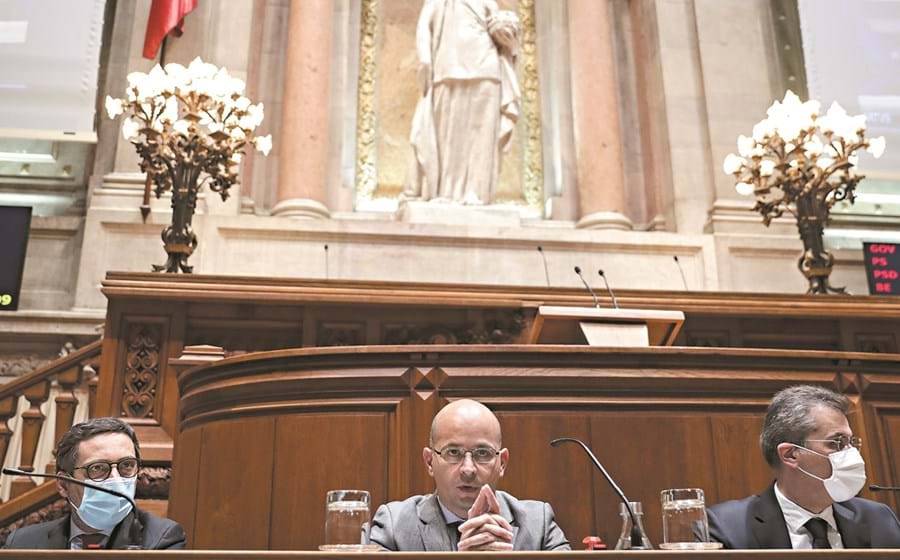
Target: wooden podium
{"points": [[597, 326]]}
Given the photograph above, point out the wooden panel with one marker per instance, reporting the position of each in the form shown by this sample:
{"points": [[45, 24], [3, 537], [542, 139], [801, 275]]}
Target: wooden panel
{"points": [[235, 484], [740, 467], [317, 453], [184, 486], [561, 476], [646, 452]]}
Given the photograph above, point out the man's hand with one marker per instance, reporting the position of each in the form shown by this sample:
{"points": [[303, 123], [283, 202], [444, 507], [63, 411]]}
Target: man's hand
{"points": [[486, 529]]}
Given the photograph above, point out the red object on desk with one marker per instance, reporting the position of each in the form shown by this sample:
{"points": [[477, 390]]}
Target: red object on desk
{"points": [[593, 543]]}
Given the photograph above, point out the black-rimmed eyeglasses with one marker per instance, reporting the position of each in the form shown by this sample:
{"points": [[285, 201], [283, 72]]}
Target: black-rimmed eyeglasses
{"points": [[99, 471]]}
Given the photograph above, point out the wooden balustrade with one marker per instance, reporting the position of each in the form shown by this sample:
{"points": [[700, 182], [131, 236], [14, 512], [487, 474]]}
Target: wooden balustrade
{"points": [[66, 376]]}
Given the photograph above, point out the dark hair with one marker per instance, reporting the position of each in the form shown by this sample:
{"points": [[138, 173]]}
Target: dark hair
{"points": [[789, 419], [67, 448]]}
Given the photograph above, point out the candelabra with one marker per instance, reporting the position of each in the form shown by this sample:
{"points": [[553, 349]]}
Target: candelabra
{"points": [[190, 127], [799, 162]]}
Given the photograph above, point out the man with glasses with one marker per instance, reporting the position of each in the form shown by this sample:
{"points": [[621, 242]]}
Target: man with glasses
{"points": [[807, 441], [466, 458], [104, 452]]}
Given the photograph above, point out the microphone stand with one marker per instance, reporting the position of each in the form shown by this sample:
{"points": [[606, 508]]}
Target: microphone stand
{"points": [[637, 539], [131, 532]]}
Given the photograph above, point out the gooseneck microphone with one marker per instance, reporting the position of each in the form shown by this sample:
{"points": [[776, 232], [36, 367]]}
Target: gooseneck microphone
{"points": [[583, 281], [612, 295], [326, 261], [133, 538], [877, 488], [681, 270], [546, 270], [637, 540]]}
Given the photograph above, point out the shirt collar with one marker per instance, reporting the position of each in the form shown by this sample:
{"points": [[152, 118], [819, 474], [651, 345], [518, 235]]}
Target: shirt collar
{"points": [[449, 516], [796, 516]]}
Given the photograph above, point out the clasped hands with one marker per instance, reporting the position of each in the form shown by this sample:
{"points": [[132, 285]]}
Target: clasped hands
{"points": [[485, 529]]}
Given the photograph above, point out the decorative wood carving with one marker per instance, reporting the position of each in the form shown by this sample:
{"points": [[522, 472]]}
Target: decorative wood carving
{"points": [[341, 334], [153, 483], [880, 343], [49, 512], [141, 371], [499, 328], [709, 339]]}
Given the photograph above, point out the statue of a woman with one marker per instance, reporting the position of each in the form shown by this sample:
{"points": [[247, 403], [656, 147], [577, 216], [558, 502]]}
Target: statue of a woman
{"points": [[470, 100]]}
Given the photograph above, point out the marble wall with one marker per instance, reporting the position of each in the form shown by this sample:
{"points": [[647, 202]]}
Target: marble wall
{"points": [[689, 76]]}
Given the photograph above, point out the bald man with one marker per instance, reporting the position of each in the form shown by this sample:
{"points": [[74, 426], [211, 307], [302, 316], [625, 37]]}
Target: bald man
{"points": [[466, 459]]}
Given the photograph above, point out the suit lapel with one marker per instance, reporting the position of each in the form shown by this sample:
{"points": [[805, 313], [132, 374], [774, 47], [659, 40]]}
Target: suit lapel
{"points": [[520, 534], [58, 534], [767, 521], [118, 539], [432, 526], [853, 533]]}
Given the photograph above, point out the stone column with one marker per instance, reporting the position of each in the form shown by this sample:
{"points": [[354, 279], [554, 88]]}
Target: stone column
{"points": [[304, 139], [598, 149]]}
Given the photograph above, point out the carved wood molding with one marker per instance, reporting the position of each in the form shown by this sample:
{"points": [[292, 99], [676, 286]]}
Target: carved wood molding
{"points": [[200, 288], [49, 512], [141, 371]]}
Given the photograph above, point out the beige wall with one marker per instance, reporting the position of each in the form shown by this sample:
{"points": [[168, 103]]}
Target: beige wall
{"points": [[690, 75]]}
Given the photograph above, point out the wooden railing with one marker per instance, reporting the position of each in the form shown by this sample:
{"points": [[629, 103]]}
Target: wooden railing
{"points": [[35, 410]]}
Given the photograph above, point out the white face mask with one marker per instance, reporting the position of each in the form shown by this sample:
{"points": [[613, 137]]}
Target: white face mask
{"points": [[848, 473]]}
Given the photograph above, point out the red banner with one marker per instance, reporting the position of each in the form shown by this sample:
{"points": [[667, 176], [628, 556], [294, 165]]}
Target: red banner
{"points": [[165, 15]]}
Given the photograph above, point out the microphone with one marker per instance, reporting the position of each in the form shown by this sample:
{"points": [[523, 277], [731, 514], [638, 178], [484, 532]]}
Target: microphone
{"points": [[135, 523], [876, 488], [326, 261], [546, 270], [637, 540], [608, 289], [583, 281], [681, 270]]}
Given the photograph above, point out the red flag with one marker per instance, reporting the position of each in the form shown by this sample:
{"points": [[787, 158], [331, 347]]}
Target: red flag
{"points": [[165, 15]]}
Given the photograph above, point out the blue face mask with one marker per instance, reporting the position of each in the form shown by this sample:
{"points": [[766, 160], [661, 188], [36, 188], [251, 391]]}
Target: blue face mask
{"points": [[104, 511]]}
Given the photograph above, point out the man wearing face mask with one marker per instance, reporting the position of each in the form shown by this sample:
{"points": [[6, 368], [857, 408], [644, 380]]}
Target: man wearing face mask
{"points": [[104, 452], [807, 441]]}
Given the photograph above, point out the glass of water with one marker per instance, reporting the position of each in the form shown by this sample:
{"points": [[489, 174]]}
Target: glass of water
{"points": [[684, 521], [346, 520]]}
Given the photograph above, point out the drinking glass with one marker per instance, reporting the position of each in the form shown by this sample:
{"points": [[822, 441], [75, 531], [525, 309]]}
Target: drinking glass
{"points": [[684, 521], [346, 520]]}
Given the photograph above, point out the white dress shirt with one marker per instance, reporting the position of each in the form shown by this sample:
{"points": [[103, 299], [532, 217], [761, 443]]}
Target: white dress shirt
{"points": [[795, 517]]}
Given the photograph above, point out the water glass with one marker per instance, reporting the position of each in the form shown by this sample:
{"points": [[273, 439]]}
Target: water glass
{"points": [[684, 521], [346, 520]]}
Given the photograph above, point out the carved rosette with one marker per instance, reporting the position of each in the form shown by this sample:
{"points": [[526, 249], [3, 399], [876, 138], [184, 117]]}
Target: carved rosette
{"points": [[141, 372]]}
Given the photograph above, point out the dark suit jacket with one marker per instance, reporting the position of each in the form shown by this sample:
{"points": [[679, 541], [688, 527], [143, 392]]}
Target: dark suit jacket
{"points": [[417, 524], [757, 522], [157, 534]]}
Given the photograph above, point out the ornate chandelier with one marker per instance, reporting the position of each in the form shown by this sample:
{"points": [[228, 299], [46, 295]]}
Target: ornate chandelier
{"points": [[190, 127], [803, 163]]}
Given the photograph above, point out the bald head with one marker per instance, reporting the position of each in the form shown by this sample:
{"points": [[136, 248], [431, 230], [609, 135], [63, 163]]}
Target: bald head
{"points": [[462, 415]]}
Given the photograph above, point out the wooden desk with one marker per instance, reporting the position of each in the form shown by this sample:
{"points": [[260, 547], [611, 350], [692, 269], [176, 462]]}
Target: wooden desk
{"points": [[264, 436], [581, 555]]}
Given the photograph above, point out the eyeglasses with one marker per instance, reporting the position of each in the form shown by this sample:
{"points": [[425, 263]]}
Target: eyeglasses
{"points": [[840, 443], [454, 454], [99, 471]]}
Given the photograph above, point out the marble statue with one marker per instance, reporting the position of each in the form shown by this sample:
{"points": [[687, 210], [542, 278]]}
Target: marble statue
{"points": [[464, 120]]}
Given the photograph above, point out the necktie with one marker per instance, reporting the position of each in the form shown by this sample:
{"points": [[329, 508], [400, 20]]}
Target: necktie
{"points": [[818, 528], [92, 541], [455, 535]]}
